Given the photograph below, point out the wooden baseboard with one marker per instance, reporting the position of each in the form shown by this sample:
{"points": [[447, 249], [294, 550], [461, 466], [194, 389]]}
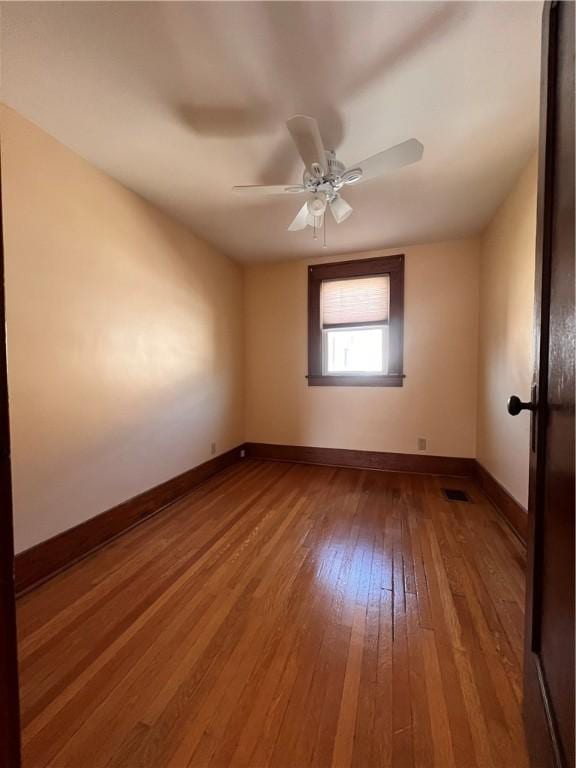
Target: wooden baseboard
{"points": [[48, 558], [511, 510], [342, 457], [514, 512]]}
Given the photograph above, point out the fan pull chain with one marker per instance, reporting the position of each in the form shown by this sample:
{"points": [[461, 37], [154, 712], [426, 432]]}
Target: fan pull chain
{"points": [[325, 217]]}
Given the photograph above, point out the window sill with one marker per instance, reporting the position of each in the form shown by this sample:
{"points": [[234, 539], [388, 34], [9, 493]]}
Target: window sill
{"points": [[392, 380]]}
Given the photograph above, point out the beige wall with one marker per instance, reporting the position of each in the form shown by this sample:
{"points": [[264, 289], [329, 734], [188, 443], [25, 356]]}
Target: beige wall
{"points": [[506, 343], [126, 344], [438, 399], [124, 338]]}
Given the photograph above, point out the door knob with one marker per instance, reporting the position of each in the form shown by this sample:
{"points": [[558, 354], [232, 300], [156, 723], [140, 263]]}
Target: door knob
{"points": [[515, 405]]}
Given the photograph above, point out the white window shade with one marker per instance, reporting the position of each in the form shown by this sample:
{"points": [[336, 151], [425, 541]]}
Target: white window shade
{"points": [[356, 301]]}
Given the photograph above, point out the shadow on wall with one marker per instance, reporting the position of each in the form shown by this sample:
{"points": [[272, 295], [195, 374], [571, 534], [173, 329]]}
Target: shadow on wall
{"points": [[309, 85], [125, 350]]}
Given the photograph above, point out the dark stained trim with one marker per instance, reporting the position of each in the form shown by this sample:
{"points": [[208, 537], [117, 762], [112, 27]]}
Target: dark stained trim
{"points": [[355, 381], [505, 504], [341, 457], [380, 265], [340, 270], [9, 686], [54, 555], [48, 558], [553, 243], [515, 514]]}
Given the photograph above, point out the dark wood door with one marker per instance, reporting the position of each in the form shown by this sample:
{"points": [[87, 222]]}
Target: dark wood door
{"points": [[9, 699], [549, 658]]}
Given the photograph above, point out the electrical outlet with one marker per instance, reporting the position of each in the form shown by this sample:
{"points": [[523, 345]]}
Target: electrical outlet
{"points": [[422, 442], [213, 448]]}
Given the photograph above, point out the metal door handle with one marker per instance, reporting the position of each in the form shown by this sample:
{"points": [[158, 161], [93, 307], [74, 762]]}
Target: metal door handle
{"points": [[515, 405]]}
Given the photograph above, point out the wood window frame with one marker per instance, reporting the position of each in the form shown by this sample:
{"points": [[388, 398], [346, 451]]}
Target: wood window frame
{"points": [[393, 267]]}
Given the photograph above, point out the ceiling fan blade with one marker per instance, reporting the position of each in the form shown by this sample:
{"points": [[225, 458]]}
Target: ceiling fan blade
{"points": [[306, 135], [300, 220], [277, 189], [340, 209], [406, 153]]}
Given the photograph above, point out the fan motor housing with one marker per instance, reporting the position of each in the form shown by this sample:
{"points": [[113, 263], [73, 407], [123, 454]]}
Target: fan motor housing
{"points": [[327, 184]]}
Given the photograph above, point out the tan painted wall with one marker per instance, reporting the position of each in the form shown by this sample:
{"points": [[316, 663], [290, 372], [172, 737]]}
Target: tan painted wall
{"points": [[124, 336], [438, 399], [126, 344], [506, 341]]}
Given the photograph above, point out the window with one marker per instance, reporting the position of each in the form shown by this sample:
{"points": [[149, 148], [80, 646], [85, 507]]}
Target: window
{"points": [[355, 323], [354, 320]]}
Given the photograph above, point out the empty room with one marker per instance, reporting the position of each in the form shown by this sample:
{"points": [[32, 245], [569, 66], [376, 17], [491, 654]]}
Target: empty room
{"points": [[287, 384]]}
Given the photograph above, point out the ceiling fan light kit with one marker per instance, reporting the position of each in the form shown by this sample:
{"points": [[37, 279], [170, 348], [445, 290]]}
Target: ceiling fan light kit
{"points": [[324, 175], [317, 204], [340, 209]]}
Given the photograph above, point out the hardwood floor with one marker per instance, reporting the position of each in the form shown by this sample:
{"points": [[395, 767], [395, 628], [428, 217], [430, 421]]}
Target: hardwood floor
{"points": [[285, 615]]}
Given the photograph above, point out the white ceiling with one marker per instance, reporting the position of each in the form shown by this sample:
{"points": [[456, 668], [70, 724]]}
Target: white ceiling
{"points": [[180, 101]]}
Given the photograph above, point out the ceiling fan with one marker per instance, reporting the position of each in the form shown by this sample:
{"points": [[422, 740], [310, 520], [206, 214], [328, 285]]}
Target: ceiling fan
{"points": [[324, 175]]}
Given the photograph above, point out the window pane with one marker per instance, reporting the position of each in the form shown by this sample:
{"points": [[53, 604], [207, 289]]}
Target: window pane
{"points": [[356, 350]]}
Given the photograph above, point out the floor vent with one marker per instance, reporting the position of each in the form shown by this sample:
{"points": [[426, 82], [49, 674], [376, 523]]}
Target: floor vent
{"points": [[453, 494]]}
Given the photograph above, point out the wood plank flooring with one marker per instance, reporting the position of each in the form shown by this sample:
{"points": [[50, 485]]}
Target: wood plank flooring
{"points": [[285, 615]]}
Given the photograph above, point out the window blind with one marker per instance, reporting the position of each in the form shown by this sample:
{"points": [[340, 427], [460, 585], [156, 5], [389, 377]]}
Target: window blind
{"points": [[356, 301]]}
